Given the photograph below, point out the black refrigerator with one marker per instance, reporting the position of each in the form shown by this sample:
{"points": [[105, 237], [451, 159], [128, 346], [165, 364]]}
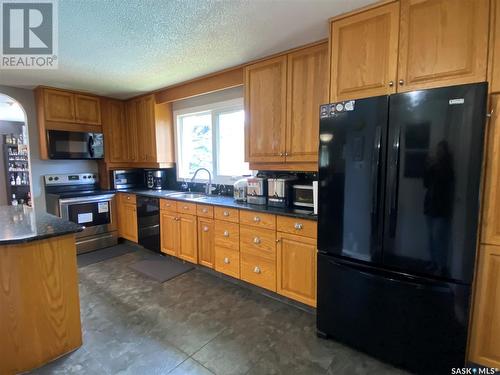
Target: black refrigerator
{"points": [[399, 185]]}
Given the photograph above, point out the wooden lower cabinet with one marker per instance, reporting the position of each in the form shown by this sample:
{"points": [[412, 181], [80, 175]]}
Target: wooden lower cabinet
{"points": [[485, 334], [127, 217], [296, 268], [188, 249], [170, 232], [258, 270], [206, 242], [227, 261]]}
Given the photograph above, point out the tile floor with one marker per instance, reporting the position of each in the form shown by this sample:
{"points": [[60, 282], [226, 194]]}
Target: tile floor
{"points": [[196, 323]]}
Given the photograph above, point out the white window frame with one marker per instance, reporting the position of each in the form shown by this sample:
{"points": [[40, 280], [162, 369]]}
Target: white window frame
{"points": [[215, 109]]}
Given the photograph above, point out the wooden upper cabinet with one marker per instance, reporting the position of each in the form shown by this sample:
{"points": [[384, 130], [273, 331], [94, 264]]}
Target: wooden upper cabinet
{"points": [[491, 201], [307, 89], [485, 332], [114, 128], [494, 62], [364, 50], [132, 143], [442, 43], [59, 105], [87, 109], [265, 110]]}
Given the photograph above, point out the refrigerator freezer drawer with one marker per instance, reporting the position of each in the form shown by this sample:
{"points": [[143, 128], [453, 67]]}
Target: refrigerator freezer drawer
{"points": [[401, 320]]}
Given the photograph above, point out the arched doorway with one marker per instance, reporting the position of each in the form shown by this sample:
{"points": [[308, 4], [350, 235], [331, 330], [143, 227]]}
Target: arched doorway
{"points": [[15, 167]]}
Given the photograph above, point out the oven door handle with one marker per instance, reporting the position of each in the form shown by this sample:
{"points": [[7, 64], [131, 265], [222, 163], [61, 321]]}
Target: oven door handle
{"points": [[97, 198]]}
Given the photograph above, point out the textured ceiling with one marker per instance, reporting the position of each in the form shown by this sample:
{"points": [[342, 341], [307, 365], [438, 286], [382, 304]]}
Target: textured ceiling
{"points": [[122, 48]]}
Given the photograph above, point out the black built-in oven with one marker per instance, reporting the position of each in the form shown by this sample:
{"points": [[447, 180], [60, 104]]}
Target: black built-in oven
{"points": [[75, 145]]}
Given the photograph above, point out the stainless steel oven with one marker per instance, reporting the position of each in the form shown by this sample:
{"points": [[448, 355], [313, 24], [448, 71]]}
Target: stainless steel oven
{"points": [[75, 145], [77, 198]]}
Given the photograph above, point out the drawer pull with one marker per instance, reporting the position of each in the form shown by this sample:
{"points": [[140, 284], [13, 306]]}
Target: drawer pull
{"points": [[227, 261], [256, 240], [298, 226], [256, 269], [128, 197], [186, 207], [226, 233], [205, 229], [205, 210], [226, 213], [256, 219]]}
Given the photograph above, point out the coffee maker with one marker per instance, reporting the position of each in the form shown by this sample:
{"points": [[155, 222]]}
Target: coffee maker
{"points": [[156, 179]]}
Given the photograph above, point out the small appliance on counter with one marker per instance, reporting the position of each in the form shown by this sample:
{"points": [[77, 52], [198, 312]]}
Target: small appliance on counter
{"points": [[279, 191], [156, 179], [240, 190], [303, 195], [257, 190], [127, 179]]}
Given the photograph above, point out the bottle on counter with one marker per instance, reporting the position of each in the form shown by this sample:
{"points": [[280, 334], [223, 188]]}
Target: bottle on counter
{"points": [[14, 200]]}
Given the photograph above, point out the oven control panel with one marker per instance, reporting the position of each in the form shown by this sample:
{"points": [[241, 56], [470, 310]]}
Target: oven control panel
{"points": [[71, 179]]}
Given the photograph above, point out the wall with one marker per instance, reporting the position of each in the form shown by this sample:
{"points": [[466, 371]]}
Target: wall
{"points": [[39, 168]]}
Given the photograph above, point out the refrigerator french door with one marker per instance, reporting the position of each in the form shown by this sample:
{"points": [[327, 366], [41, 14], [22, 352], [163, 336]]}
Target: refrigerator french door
{"points": [[399, 181]]}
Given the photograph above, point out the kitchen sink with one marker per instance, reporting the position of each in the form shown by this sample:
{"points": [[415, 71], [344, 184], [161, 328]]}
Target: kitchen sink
{"points": [[186, 195]]}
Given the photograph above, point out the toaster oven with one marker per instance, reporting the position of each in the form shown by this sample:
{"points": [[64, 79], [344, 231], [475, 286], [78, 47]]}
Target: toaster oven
{"points": [[303, 196]]}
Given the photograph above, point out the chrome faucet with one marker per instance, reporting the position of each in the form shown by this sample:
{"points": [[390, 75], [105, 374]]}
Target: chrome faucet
{"points": [[208, 186]]}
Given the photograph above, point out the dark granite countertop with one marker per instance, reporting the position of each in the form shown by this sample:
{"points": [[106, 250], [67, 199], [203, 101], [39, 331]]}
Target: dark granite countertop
{"points": [[217, 200], [21, 223]]}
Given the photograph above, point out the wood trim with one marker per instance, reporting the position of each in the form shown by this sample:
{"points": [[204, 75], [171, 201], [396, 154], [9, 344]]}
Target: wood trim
{"points": [[71, 126], [112, 166], [41, 123], [220, 81], [294, 167], [361, 10], [493, 75]]}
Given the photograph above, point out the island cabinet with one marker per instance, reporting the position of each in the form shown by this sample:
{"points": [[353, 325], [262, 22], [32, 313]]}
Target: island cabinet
{"points": [[441, 43], [127, 216], [179, 233], [282, 99]]}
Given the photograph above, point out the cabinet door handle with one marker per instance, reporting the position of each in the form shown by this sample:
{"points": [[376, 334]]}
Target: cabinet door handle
{"points": [[281, 154], [205, 229], [226, 213], [256, 269], [278, 241], [298, 226], [286, 153], [401, 82], [205, 210], [256, 219], [391, 83], [256, 240], [227, 261], [226, 233], [186, 207]]}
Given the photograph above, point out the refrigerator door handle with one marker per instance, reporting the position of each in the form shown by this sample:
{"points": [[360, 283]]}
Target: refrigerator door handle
{"points": [[375, 168], [394, 182]]}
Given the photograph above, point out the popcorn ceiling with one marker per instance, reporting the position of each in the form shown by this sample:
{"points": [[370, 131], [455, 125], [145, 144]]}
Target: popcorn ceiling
{"points": [[122, 48]]}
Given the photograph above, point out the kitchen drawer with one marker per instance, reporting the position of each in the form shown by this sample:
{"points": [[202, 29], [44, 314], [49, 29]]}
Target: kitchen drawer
{"points": [[258, 270], [301, 227], [258, 241], [205, 210], [168, 205], [227, 261], [258, 219], [128, 198], [227, 234], [186, 208], [227, 214]]}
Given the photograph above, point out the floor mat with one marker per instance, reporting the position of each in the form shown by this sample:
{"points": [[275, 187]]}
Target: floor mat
{"points": [[104, 254], [161, 269]]}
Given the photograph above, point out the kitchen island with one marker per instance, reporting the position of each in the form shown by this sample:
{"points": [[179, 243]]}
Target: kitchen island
{"points": [[39, 300]]}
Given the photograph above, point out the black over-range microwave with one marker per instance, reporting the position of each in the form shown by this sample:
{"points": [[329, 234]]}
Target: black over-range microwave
{"points": [[75, 145]]}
